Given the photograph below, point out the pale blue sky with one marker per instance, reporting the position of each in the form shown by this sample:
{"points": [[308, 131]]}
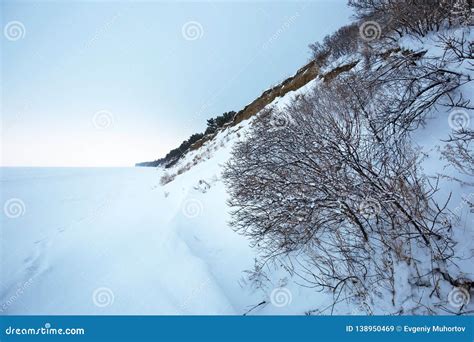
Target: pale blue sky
{"points": [[131, 63]]}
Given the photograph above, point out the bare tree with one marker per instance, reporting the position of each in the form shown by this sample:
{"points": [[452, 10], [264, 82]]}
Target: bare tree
{"points": [[331, 185], [418, 17]]}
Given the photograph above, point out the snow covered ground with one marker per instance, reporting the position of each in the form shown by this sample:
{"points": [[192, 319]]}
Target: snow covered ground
{"points": [[109, 241], [114, 241]]}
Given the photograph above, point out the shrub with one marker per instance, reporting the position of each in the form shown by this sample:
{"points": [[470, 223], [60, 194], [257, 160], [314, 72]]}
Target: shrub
{"points": [[332, 184]]}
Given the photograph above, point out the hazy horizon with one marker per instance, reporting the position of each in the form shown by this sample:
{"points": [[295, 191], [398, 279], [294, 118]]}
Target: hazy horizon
{"points": [[90, 84]]}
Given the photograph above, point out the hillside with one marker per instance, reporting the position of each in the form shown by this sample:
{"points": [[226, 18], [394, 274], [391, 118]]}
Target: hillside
{"points": [[386, 116]]}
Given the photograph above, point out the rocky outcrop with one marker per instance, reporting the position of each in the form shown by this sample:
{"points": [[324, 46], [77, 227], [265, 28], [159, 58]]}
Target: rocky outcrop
{"points": [[302, 77]]}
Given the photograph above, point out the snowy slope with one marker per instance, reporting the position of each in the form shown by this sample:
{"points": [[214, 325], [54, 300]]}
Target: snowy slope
{"points": [[429, 139], [200, 185]]}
